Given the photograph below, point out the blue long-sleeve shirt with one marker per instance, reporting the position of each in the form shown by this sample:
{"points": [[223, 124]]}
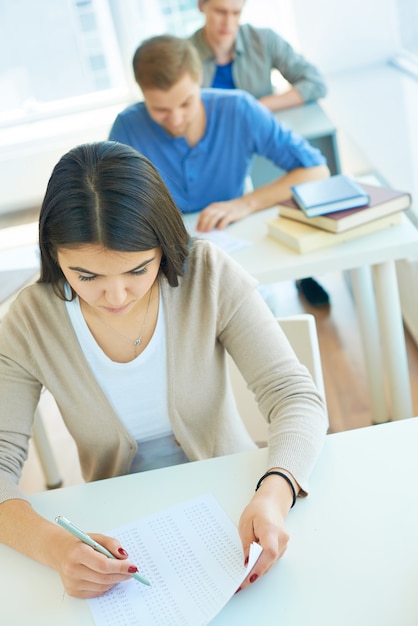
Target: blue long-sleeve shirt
{"points": [[215, 169]]}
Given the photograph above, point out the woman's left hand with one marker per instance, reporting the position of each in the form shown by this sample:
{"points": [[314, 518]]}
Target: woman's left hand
{"points": [[263, 522]]}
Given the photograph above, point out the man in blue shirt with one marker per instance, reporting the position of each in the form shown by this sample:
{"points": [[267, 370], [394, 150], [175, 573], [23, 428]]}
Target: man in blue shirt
{"points": [[202, 141], [241, 56]]}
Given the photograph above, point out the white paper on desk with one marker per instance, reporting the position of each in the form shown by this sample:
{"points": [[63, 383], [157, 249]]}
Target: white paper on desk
{"points": [[192, 555], [220, 237], [224, 240]]}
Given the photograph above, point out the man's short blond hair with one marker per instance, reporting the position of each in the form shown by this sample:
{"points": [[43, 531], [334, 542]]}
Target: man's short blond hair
{"points": [[160, 62]]}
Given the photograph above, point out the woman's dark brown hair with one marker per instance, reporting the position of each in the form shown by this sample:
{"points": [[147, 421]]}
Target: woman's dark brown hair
{"points": [[107, 193]]}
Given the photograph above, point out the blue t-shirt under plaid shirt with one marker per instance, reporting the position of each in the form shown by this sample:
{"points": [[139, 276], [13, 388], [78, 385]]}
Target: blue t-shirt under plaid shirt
{"points": [[223, 78]]}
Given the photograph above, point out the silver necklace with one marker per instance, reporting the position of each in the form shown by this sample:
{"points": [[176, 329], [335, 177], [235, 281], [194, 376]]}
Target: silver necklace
{"points": [[135, 342]]}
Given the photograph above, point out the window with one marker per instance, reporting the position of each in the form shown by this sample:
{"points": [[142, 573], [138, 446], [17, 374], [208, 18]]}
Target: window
{"points": [[55, 56], [181, 16], [65, 56]]}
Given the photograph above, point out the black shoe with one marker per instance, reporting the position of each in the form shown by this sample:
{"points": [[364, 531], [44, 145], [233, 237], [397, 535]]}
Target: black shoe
{"points": [[312, 292]]}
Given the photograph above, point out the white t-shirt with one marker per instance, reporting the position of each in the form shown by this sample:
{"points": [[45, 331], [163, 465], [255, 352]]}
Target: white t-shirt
{"points": [[138, 396]]}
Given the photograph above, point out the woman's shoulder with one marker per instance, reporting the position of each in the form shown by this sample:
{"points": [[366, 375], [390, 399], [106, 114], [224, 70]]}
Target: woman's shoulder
{"points": [[35, 292], [36, 300], [34, 317]]}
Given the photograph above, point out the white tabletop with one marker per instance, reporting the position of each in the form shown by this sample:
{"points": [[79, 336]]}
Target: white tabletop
{"points": [[270, 261], [353, 555]]}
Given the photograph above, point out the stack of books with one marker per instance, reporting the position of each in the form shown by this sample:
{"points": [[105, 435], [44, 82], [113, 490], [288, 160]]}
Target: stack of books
{"points": [[325, 212]]}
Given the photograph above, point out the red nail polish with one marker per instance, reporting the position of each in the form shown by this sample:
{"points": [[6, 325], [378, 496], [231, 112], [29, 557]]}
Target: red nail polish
{"points": [[246, 561], [132, 569], [239, 589], [253, 578], [122, 552]]}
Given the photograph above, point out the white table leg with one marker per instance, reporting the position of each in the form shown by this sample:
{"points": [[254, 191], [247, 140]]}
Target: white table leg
{"points": [[393, 339], [369, 329]]}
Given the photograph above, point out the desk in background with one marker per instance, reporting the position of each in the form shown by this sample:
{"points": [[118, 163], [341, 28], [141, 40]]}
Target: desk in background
{"points": [[19, 261], [372, 270], [352, 558], [310, 121], [371, 261], [13, 280]]}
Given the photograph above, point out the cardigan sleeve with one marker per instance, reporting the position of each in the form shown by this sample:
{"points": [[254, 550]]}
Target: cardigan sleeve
{"points": [[19, 393], [283, 387], [38, 348]]}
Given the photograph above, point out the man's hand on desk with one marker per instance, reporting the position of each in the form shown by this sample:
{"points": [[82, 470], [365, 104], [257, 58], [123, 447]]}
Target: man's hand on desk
{"points": [[263, 521], [220, 214]]}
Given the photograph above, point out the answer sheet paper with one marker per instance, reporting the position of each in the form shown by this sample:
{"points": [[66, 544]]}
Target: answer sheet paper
{"points": [[191, 554], [224, 240], [221, 238]]}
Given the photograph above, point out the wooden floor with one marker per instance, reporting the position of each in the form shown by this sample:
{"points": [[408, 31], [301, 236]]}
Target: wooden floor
{"points": [[342, 354]]}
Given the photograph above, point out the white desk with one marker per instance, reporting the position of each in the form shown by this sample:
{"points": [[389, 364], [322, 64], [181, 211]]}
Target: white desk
{"points": [[371, 262], [18, 265], [353, 555]]}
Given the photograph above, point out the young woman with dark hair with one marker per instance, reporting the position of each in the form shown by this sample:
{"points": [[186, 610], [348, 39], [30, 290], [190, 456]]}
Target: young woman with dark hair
{"points": [[128, 328]]}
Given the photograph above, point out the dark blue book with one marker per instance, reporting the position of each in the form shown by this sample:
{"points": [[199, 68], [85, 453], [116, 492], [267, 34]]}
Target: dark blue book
{"points": [[328, 195]]}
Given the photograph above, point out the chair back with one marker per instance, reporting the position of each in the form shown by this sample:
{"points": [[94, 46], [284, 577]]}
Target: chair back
{"points": [[302, 335]]}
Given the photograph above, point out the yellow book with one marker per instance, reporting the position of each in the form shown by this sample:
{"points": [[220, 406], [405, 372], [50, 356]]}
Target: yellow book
{"points": [[383, 201], [304, 238]]}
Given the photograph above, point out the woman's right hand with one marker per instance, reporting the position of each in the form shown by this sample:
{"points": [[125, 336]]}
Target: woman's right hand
{"points": [[87, 573]]}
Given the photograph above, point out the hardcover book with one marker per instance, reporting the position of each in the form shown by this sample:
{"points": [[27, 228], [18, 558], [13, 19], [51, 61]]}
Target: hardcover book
{"points": [[383, 201], [327, 195], [304, 238]]}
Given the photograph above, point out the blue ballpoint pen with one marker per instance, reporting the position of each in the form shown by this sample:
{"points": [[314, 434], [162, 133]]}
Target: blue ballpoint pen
{"points": [[74, 530]]}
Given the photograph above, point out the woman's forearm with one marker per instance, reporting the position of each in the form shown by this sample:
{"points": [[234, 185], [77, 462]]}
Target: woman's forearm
{"points": [[24, 530]]}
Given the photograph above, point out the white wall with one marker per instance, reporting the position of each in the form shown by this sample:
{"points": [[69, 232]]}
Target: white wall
{"points": [[334, 34], [339, 35]]}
